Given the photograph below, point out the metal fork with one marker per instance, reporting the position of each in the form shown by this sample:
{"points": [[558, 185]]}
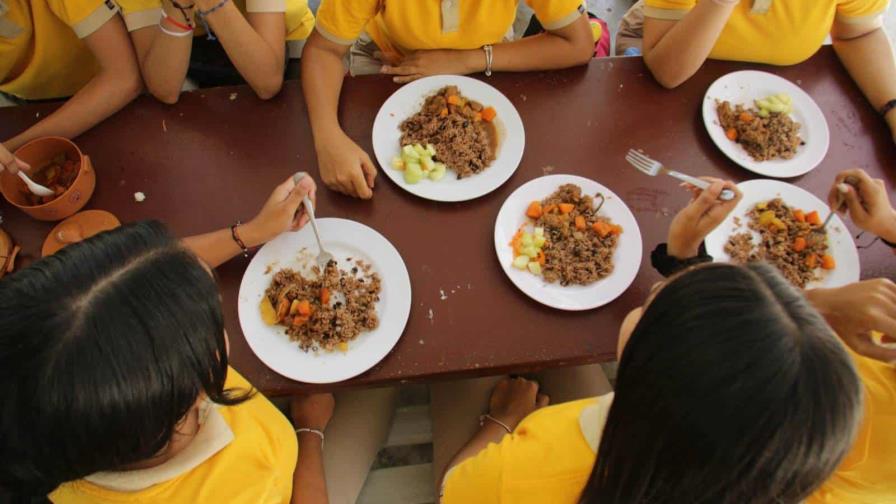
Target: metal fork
{"points": [[323, 257], [652, 167], [818, 234]]}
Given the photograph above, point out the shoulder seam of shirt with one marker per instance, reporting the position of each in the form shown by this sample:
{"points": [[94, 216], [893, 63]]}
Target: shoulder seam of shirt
{"points": [[96, 19], [566, 20], [263, 6], [141, 19], [332, 38], [843, 18], [665, 14]]}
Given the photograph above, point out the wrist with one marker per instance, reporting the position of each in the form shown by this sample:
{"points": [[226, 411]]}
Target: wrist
{"points": [[818, 298], [205, 5], [251, 234], [682, 250], [474, 60], [888, 230], [510, 421], [310, 438]]}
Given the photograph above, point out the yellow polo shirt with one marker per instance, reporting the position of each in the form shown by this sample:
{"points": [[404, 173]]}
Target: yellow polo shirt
{"points": [[254, 465], [403, 26], [548, 458], [299, 19], [42, 55], [789, 33], [868, 474]]}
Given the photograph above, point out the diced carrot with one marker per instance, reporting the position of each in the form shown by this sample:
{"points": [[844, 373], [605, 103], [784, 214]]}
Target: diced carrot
{"points": [[799, 244], [565, 208], [489, 114], [548, 209], [812, 261], [453, 100], [745, 117], [827, 262], [304, 308], [282, 308], [298, 321], [540, 257], [813, 218], [515, 242], [602, 228], [799, 215], [324, 296], [580, 223], [477, 117], [731, 133], [443, 112], [534, 211], [615, 229]]}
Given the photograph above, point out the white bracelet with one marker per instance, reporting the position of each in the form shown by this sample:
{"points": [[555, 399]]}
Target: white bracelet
{"points": [[320, 434], [489, 57], [174, 33], [483, 418]]}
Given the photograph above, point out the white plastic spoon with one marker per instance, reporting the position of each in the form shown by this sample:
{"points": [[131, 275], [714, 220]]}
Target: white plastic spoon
{"points": [[33, 186]]}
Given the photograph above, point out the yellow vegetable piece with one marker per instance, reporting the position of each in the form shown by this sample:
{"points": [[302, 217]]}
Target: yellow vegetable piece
{"points": [[268, 313], [343, 347]]}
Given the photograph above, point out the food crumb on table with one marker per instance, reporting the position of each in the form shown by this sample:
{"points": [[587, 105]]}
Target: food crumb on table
{"points": [[442, 295], [164, 126], [431, 315], [139, 197], [233, 96]]}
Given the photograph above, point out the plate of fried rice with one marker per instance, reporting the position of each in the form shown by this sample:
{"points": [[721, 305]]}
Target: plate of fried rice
{"points": [[780, 223], [785, 143], [325, 324]]}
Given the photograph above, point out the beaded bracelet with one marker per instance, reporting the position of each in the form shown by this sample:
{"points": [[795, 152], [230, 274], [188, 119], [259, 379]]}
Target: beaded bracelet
{"points": [[238, 240]]}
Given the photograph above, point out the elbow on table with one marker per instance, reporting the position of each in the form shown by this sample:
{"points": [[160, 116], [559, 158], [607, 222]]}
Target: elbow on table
{"points": [[269, 88], [669, 78], [165, 94]]}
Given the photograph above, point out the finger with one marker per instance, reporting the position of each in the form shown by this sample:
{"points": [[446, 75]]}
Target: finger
{"points": [[369, 170], [407, 78], [282, 191], [25, 166], [542, 400], [864, 346], [707, 199], [854, 204], [398, 70], [359, 185]]}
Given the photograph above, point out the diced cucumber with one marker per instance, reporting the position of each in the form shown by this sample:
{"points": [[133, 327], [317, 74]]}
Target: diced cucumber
{"points": [[763, 113], [531, 252], [763, 104], [398, 163], [534, 268], [784, 97], [413, 173], [427, 163], [527, 239], [437, 172], [540, 241], [539, 231], [409, 153], [420, 150], [431, 149], [521, 262]]}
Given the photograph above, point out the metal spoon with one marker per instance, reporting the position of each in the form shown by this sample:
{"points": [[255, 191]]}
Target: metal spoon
{"points": [[323, 257], [33, 186]]}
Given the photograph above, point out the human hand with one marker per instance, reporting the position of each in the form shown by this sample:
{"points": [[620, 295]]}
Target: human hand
{"points": [[345, 167], [312, 411], [694, 222], [854, 310], [11, 163], [514, 399], [283, 211], [866, 201], [433, 62]]}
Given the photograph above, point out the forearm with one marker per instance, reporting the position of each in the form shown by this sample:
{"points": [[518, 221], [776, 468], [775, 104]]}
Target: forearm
{"points": [[490, 432], [869, 60], [309, 484], [322, 75], [259, 63], [218, 247], [677, 55], [545, 51], [104, 95]]}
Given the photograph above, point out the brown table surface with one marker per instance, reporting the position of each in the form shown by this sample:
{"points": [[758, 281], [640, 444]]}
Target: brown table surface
{"points": [[215, 156]]}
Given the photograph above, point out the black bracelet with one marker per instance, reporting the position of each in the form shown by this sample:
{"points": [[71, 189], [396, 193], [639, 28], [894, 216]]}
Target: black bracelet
{"points": [[238, 240], [667, 265], [890, 105], [889, 243]]}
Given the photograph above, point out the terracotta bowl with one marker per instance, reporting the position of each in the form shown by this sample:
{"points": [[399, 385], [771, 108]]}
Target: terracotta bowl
{"points": [[38, 153]]}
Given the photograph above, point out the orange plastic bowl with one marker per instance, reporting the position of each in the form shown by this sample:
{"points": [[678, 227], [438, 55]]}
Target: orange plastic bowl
{"points": [[38, 153]]}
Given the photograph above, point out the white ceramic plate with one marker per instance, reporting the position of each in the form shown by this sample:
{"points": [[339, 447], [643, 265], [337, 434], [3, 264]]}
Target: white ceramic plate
{"points": [[746, 86], [626, 260], [408, 100], [344, 239], [841, 244]]}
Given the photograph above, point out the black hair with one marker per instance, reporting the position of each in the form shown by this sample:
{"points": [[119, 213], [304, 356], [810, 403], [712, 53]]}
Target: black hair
{"points": [[732, 389], [104, 347]]}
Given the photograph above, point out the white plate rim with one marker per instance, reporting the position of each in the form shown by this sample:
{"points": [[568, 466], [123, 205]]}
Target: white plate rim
{"points": [[840, 241], [393, 321], [631, 232], [510, 154], [806, 112]]}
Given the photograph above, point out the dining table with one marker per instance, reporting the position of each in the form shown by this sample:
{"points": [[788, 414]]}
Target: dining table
{"points": [[213, 158]]}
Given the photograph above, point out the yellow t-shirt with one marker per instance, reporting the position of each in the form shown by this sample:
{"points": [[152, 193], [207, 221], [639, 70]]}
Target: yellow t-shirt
{"points": [[299, 19], [42, 54], [255, 467], [789, 33], [548, 458], [402, 26], [868, 474]]}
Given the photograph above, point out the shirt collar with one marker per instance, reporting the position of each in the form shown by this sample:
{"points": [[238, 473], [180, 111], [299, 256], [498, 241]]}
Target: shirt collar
{"points": [[214, 434]]}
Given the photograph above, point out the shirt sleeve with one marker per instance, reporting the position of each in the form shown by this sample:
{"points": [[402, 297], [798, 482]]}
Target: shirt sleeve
{"points": [[342, 22], [84, 16], [860, 11], [477, 479], [260, 6], [556, 14], [669, 10], [140, 13]]}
